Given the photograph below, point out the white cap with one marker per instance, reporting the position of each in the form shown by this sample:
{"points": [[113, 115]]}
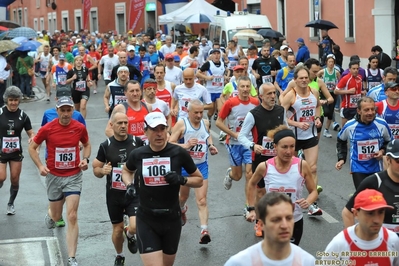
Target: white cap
{"points": [[56, 31], [155, 119], [130, 47], [78, 40], [41, 35], [284, 47]]}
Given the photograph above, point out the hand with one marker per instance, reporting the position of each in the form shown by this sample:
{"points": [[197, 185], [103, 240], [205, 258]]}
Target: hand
{"points": [[213, 150], [174, 112], [318, 123], [378, 155], [258, 149], [250, 216], [364, 92], [74, 77], [339, 164], [304, 126], [43, 170], [83, 165], [107, 109], [323, 102], [107, 169], [209, 78], [130, 192], [191, 142], [304, 204], [174, 178]]}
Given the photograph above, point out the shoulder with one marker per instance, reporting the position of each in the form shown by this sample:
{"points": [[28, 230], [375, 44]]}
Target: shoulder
{"points": [[305, 256]]}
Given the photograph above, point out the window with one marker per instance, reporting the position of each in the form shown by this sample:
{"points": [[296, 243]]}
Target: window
{"points": [[19, 19], [349, 20], [54, 17], [38, 3], [315, 11], [49, 23], [65, 20], [281, 16], [93, 19], [26, 17], [253, 8], [15, 15], [120, 18], [78, 19], [41, 24], [35, 24]]}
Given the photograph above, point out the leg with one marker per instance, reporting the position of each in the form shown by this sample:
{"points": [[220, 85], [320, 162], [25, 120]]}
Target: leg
{"points": [[248, 175], [77, 107], [15, 171], [72, 204], [358, 178], [117, 237], [168, 260], [153, 258], [311, 155], [211, 111], [297, 234], [83, 110], [236, 173], [200, 195], [3, 173]]}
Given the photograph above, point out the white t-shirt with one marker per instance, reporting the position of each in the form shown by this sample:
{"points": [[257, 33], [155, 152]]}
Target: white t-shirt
{"points": [[109, 63], [174, 75], [254, 256], [160, 106], [167, 50], [251, 77], [339, 244], [184, 95]]}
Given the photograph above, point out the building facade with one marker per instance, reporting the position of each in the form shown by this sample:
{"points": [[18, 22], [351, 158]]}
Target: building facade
{"points": [[361, 23]]}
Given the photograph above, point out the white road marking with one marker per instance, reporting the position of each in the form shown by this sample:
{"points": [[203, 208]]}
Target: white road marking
{"points": [[25, 251], [326, 217]]}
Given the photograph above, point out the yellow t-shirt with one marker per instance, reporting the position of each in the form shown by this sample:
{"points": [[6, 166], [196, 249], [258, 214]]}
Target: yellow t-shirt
{"points": [[229, 88]]}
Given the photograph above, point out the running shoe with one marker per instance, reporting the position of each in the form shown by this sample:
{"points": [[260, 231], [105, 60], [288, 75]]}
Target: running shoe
{"points": [[131, 242], [48, 98], [258, 230], [49, 222], [10, 209], [227, 182], [319, 189], [314, 210], [301, 155], [327, 134], [119, 261], [222, 136], [95, 92], [336, 126], [183, 215], [72, 262], [60, 222], [215, 116], [205, 237]]}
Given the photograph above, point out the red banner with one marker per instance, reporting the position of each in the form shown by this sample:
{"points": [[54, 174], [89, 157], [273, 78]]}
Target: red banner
{"points": [[136, 11], [86, 13]]}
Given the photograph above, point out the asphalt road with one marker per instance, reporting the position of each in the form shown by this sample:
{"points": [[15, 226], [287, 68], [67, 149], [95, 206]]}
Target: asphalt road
{"points": [[25, 240]]}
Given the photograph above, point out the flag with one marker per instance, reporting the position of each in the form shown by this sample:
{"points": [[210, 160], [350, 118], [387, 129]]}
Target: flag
{"points": [[136, 11], [86, 13]]}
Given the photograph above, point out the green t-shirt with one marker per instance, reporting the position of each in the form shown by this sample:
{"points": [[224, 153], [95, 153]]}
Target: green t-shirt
{"points": [[229, 88]]}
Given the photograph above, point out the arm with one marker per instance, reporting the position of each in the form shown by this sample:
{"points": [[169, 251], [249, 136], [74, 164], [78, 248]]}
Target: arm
{"points": [[261, 169], [203, 75], [33, 146], [289, 88], [320, 74], [212, 148], [174, 110], [107, 95], [127, 175], [325, 91], [100, 168], [342, 152], [310, 186], [92, 62], [177, 133], [195, 180], [222, 126], [347, 217]]}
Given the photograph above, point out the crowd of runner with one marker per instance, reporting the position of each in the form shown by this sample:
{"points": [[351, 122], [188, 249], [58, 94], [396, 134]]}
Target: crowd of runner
{"points": [[270, 108]]}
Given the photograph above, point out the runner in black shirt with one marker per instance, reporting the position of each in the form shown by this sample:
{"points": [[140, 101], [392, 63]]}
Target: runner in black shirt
{"points": [[265, 67], [158, 169], [12, 121], [386, 182], [111, 156]]}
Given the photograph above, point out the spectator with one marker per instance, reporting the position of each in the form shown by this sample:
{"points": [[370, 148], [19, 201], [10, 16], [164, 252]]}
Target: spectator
{"points": [[384, 60], [303, 51]]}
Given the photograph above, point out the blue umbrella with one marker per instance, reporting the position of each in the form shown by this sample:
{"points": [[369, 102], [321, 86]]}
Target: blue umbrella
{"points": [[22, 31], [199, 18], [29, 46], [20, 40]]}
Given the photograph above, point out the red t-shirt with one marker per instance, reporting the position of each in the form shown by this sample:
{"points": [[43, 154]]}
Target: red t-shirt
{"points": [[136, 121], [346, 83], [62, 146]]}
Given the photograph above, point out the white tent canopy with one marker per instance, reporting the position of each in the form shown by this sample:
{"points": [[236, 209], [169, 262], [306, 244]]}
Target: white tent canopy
{"points": [[192, 8]]}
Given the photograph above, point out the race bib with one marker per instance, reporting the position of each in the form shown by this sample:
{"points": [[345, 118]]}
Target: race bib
{"points": [[119, 99], [184, 106], [145, 65], [307, 114], [198, 151], [65, 158], [267, 78], [217, 81], [80, 85], [353, 99], [154, 170], [395, 130], [62, 79], [10, 144], [144, 138], [268, 145], [238, 123], [233, 62], [330, 85], [116, 182], [291, 192], [43, 68], [234, 94], [366, 149]]}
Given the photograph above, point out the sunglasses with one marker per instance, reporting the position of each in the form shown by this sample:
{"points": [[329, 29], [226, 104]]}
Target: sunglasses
{"points": [[394, 89], [393, 159], [169, 60]]}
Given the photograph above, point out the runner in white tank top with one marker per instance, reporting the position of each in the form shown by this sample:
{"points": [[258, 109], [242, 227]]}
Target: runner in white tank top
{"points": [[287, 174]]}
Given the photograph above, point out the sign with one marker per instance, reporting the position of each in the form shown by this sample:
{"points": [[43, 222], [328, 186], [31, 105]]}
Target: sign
{"points": [[150, 6], [136, 11], [86, 13]]}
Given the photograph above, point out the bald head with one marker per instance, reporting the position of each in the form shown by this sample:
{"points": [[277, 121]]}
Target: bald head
{"points": [[188, 77]]}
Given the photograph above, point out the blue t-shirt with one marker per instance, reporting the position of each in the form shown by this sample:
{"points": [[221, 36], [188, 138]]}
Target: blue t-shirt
{"points": [[283, 82]]}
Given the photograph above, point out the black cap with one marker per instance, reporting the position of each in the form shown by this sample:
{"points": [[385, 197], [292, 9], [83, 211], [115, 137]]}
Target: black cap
{"points": [[393, 149], [252, 47], [389, 85], [355, 58], [63, 92], [179, 45]]}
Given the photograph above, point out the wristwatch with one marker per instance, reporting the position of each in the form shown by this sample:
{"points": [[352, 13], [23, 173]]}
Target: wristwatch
{"points": [[250, 208], [252, 146], [87, 159]]}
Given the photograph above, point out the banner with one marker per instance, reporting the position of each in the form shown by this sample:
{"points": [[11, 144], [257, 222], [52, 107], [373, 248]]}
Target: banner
{"points": [[136, 11], [86, 14]]}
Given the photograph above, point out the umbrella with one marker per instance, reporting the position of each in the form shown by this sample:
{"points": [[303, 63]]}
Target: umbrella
{"points": [[7, 45], [29, 46], [249, 34], [19, 40], [9, 24], [2, 28], [22, 31], [321, 24], [269, 33], [180, 27], [199, 18]]}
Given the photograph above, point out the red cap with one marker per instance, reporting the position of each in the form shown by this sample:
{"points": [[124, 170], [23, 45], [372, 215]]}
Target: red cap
{"points": [[169, 56], [238, 67], [370, 199]]}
